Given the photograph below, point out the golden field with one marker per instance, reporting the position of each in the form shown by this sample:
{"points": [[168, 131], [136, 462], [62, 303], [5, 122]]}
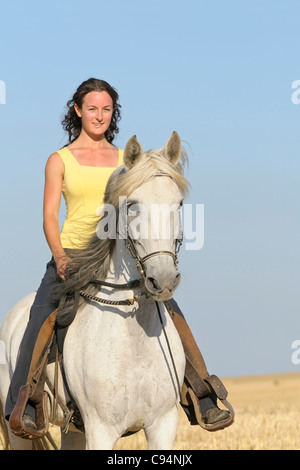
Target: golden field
{"points": [[267, 417]]}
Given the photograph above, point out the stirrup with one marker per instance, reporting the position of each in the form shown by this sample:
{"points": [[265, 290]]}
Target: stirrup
{"points": [[16, 422], [216, 387], [215, 426]]}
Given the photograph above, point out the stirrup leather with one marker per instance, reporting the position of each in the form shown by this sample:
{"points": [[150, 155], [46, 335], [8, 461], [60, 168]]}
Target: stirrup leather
{"points": [[33, 390]]}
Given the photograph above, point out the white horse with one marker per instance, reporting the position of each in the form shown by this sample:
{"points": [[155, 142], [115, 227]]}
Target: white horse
{"points": [[124, 365]]}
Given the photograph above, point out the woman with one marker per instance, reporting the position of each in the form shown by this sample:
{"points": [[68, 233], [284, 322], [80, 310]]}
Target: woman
{"points": [[80, 172]]}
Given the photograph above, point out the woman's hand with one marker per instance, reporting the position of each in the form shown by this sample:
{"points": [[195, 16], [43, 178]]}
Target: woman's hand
{"points": [[62, 266]]}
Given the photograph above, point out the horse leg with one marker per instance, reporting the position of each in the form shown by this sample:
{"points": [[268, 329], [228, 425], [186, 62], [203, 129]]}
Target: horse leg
{"points": [[98, 436], [72, 441], [161, 434]]}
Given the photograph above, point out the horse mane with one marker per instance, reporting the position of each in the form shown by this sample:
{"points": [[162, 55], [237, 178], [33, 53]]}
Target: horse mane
{"points": [[93, 261]]}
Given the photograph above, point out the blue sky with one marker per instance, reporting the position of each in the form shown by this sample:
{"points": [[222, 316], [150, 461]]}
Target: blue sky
{"points": [[221, 74]]}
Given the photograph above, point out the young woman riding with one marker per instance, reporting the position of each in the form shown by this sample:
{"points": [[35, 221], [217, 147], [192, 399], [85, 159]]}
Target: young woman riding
{"points": [[80, 172]]}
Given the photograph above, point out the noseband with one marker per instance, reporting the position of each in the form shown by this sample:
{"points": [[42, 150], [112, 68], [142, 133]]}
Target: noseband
{"points": [[140, 261]]}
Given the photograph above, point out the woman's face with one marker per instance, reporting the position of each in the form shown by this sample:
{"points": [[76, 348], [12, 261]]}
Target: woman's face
{"points": [[96, 112]]}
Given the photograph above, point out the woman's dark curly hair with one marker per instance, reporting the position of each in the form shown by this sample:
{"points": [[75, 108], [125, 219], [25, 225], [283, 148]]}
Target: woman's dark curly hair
{"points": [[72, 123]]}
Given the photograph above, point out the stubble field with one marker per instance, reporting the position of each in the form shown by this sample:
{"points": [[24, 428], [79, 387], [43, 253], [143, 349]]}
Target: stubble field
{"points": [[267, 418]]}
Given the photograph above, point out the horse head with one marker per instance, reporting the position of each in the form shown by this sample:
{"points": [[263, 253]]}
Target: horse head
{"points": [[154, 231]]}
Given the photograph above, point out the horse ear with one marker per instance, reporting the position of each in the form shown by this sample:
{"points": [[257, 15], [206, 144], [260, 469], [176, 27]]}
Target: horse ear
{"points": [[133, 152], [172, 149]]}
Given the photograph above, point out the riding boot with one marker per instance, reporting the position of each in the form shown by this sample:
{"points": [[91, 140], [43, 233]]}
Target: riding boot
{"points": [[32, 393], [200, 390]]}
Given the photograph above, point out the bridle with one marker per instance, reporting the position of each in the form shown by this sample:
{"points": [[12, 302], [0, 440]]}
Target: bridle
{"points": [[131, 246], [140, 263]]}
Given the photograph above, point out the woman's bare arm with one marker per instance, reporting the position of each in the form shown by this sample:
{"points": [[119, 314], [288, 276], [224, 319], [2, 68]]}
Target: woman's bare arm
{"points": [[54, 174]]}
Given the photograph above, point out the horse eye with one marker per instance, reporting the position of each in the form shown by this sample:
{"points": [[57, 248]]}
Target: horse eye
{"points": [[130, 204]]}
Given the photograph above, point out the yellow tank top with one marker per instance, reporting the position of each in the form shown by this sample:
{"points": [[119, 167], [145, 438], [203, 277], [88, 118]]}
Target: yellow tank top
{"points": [[83, 190]]}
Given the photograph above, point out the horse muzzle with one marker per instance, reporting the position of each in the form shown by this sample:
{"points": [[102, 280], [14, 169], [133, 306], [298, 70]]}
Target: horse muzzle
{"points": [[162, 286]]}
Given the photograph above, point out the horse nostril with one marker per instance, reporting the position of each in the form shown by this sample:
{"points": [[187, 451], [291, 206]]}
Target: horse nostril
{"points": [[152, 280], [177, 280]]}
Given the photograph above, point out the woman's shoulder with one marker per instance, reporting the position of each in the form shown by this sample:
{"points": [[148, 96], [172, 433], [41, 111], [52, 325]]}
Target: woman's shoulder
{"points": [[60, 155], [56, 160], [63, 152]]}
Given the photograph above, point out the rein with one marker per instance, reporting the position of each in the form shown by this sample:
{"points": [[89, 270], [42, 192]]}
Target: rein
{"points": [[169, 347]]}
